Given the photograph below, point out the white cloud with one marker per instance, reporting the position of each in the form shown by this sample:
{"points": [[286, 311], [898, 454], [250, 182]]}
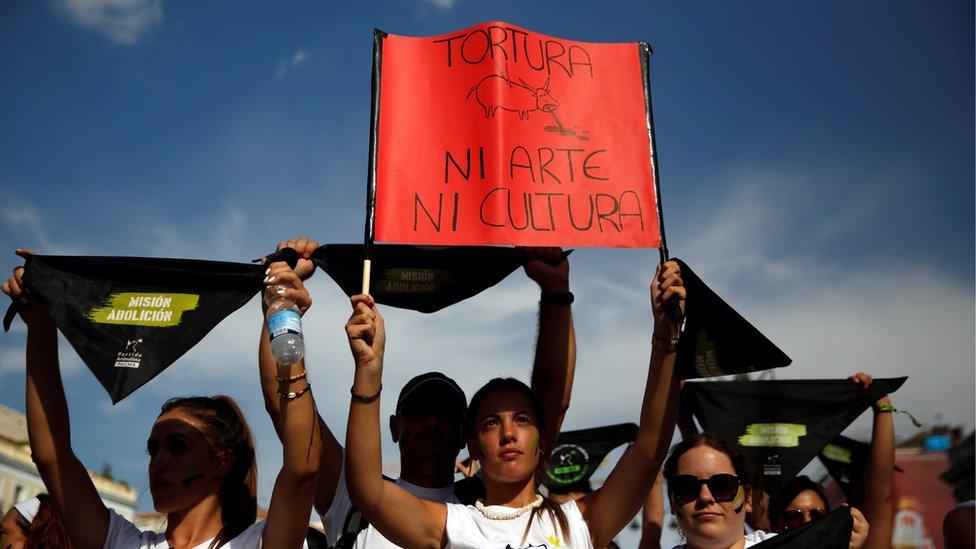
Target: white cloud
{"points": [[25, 226], [122, 21], [759, 248], [290, 63], [222, 238]]}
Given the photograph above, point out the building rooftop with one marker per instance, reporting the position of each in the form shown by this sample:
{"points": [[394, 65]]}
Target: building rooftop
{"points": [[13, 425]]}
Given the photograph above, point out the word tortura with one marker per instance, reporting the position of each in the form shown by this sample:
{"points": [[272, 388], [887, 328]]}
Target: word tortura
{"points": [[513, 45]]}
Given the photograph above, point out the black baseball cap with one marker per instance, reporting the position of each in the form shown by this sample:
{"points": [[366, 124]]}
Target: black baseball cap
{"points": [[431, 390]]}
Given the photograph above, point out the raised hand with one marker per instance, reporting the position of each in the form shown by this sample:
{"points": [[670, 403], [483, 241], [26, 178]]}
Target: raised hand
{"points": [[864, 381], [667, 283], [280, 274], [304, 268], [30, 311], [548, 268], [859, 534], [366, 332]]}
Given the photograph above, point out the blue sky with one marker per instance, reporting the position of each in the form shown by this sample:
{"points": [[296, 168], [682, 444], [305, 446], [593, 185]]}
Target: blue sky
{"points": [[816, 166]]}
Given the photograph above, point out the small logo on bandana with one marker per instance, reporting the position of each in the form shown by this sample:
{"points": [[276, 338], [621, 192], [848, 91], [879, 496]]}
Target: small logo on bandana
{"points": [[772, 468], [129, 357], [570, 463]]}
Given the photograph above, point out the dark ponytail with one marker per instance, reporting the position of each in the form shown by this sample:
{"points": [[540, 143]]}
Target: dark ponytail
{"points": [[225, 428]]}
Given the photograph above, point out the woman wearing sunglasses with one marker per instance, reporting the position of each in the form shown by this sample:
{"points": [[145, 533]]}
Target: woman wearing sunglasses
{"points": [[799, 502], [709, 488]]}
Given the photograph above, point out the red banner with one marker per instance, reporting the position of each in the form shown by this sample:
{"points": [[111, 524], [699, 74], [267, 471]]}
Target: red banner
{"points": [[500, 135]]}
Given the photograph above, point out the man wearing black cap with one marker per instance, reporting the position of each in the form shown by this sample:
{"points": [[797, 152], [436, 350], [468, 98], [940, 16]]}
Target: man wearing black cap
{"points": [[429, 417], [427, 427]]}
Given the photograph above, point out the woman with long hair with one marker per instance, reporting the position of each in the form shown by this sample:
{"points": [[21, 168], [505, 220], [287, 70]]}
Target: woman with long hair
{"points": [[202, 472], [709, 484], [504, 429]]}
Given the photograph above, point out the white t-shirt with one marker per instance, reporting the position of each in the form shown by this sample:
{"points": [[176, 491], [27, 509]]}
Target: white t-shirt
{"points": [[467, 528], [122, 534], [751, 539], [335, 518]]}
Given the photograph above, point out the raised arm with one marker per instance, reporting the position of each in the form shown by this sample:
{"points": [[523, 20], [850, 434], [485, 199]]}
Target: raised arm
{"points": [[555, 347], [48, 428], [610, 508], [330, 458], [652, 516], [400, 516], [880, 470], [297, 427]]}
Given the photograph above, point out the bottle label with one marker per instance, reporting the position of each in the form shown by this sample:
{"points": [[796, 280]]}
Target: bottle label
{"points": [[283, 322]]}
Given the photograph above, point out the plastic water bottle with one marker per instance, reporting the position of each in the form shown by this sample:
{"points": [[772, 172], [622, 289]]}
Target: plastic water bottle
{"points": [[284, 327]]}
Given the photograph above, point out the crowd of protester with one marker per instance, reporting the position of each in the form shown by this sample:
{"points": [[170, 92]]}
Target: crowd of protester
{"points": [[202, 469]]}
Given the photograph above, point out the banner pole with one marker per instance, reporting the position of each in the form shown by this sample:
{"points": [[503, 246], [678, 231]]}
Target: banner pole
{"points": [[645, 56], [673, 305], [369, 229]]}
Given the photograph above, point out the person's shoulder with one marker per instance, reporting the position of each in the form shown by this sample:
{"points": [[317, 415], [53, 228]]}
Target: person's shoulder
{"points": [[459, 507], [250, 538], [571, 508], [758, 536], [252, 531], [460, 513], [122, 533]]}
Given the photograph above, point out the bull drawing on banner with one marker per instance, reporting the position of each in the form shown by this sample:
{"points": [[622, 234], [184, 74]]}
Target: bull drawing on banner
{"points": [[497, 91]]}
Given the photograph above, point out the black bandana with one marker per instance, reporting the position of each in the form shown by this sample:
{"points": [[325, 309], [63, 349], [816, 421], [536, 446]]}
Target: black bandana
{"points": [[781, 425], [129, 318], [831, 532], [578, 453], [716, 340], [846, 460], [424, 279]]}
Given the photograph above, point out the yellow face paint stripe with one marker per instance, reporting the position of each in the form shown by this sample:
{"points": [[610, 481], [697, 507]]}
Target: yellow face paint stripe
{"points": [[738, 496]]}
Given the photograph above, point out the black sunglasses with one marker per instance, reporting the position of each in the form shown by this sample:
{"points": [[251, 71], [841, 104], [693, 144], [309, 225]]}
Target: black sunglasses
{"points": [[723, 487], [794, 518]]}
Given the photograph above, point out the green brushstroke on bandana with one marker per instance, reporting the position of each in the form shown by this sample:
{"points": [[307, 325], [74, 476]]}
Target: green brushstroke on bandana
{"points": [[775, 435], [837, 453], [144, 309]]}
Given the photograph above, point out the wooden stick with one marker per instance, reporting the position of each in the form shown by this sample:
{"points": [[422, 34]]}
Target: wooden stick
{"points": [[367, 264]]}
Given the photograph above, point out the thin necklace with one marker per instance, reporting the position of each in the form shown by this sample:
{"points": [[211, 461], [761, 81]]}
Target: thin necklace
{"points": [[514, 513]]}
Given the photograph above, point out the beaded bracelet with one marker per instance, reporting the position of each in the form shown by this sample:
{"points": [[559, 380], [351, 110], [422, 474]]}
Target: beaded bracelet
{"points": [[295, 377], [361, 399], [668, 345], [294, 394]]}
